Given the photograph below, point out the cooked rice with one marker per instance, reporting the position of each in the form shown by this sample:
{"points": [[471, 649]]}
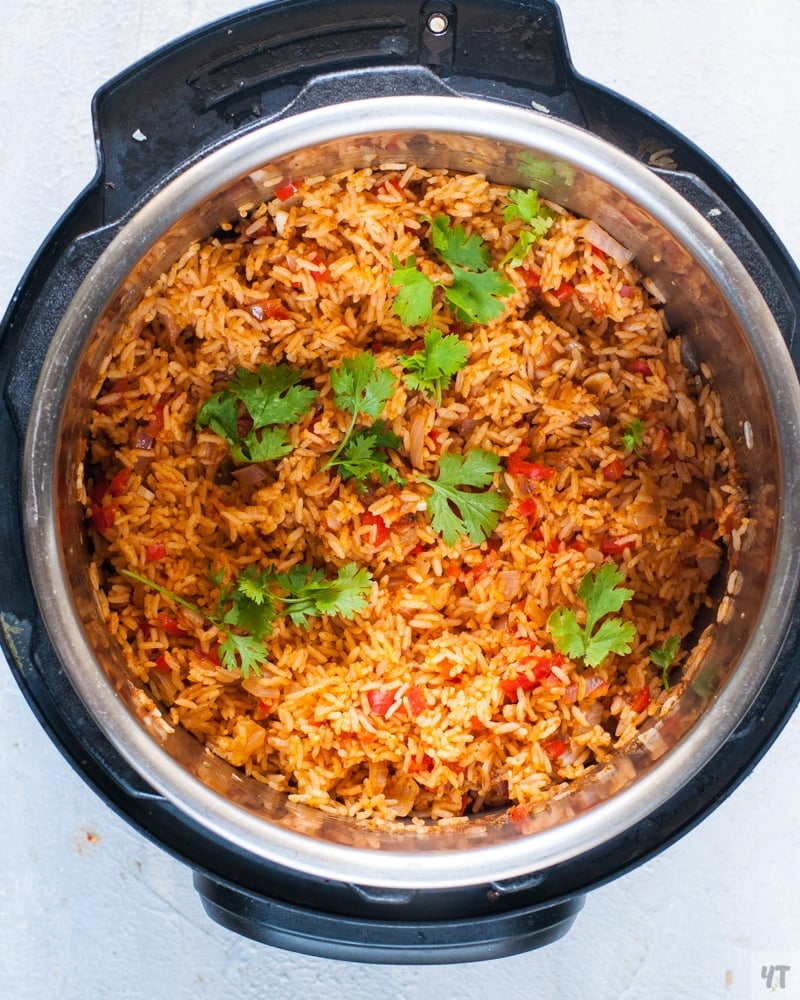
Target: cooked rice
{"points": [[567, 378]]}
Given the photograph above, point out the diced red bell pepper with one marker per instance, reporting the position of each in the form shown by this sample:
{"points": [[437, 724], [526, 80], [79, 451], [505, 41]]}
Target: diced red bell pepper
{"points": [[614, 471], [262, 709], [554, 748], [641, 701], [321, 275], [415, 765], [118, 483], [380, 700], [529, 509], [162, 666], [563, 292], [611, 546], [518, 813], [416, 701], [381, 532], [169, 625], [393, 185], [287, 190], [268, 309], [103, 517], [155, 425], [638, 366], [518, 465], [155, 552], [529, 277], [209, 655]]}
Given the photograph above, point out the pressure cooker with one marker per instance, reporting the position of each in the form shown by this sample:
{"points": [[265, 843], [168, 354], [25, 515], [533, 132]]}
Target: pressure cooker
{"points": [[184, 137]]}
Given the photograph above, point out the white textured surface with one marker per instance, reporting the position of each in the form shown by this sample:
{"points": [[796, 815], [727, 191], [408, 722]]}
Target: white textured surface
{"points": [[88, 908]]}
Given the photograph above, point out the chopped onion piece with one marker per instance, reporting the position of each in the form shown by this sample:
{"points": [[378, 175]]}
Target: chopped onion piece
{"points": [[250, 475], [604, 241], [280, 218]]}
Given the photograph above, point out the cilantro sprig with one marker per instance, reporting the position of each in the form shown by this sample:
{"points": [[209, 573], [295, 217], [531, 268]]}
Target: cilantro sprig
{"points": [[457, 511], [536, 220], [632, 436], [251, 603], [364, 455], [361, 387], [476, 291], [665, 657], [592, 642], [272, 401], [431, 369]]}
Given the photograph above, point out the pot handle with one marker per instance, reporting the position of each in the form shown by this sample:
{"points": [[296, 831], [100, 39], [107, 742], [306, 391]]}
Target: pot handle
{"points": [[247, 69], [381, 939]]}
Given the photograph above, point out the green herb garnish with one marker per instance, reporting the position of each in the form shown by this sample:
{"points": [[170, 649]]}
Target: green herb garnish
{"points": [[272, 399], [308, 593], [665, 657], [414, 300], [457, 511], [632, 436], [364, 455], [257, 598], [592, 642], [361, 387], [476, 292], [431, 369], [456, 248], [536, 219]]}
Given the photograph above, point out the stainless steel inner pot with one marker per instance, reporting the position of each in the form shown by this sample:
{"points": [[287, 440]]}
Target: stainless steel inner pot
{"points": [[711, 300]]}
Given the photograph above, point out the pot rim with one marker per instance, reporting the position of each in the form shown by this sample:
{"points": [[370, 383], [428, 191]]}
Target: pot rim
{"points": [[406, 868]]}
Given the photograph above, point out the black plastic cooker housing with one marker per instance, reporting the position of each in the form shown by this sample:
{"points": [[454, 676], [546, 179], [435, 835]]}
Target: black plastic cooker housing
{"points": [[189, 97]]}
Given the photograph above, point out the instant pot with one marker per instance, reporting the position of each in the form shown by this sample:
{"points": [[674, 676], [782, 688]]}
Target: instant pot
{"points": [[216, 120]]}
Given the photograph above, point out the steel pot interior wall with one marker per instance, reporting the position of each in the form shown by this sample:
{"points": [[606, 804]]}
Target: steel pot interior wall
{"points": [[725, 324]]}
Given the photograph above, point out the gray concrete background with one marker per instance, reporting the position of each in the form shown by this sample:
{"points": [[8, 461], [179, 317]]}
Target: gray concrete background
{"points": [[89, 908]]}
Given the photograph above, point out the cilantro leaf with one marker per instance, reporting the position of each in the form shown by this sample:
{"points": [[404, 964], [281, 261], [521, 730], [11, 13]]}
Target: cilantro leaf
{"points": [[309, 593], [474, 295], [270, 397], [456, 248], [517, 254], [536, 218], [431, 369], [593, 642], [612, 636], [414, 301], [242, 652], [476, 291], [221, 414], [567, 634], [360, 386], [364, 455], [250, 604], [601, 593], [525, 205], [456, 511], [632, 436], [665, 656]]}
